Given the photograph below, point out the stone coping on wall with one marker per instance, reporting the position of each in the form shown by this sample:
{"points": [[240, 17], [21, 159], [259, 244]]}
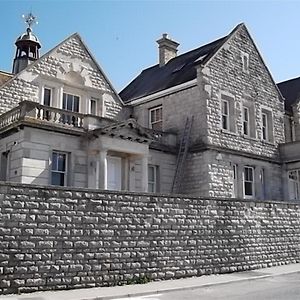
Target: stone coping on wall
{"points": [[6, 184]]}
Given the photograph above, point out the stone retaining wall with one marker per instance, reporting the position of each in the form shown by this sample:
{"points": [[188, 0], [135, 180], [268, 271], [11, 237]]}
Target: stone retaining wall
{"points": [[55, 238]]}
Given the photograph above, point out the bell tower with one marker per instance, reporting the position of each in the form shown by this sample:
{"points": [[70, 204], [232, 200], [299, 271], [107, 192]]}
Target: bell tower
{"points": [[27, 45]]}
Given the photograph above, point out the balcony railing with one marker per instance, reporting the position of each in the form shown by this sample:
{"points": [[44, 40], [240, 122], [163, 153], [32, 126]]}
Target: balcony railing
{"points": [[33, 111]]}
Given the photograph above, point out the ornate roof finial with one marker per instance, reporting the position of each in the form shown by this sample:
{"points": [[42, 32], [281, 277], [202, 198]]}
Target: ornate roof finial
{"points": [[30, 19]]}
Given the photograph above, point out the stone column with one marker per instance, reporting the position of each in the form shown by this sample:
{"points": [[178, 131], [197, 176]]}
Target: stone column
{"points": [[102, 170], [58, 100], [145, 173]]}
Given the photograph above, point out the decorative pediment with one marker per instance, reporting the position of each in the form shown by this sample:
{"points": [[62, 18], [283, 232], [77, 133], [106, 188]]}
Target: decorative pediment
{"points": [[74, 72], [129, 130]]}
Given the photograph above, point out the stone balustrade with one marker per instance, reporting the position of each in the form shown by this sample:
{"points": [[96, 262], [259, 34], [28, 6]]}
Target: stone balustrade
{"points": [[29, 111]]}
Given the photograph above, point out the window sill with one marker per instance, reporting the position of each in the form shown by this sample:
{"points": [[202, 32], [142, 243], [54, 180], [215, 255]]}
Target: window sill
{"points": [[249, 137], [268, 142], [228, 132]]}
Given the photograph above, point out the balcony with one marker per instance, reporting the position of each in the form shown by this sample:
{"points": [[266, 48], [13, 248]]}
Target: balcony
{"points": [[39, 115], [289, 152]]}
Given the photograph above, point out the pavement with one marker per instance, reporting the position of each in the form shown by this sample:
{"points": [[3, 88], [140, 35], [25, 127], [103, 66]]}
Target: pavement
{"points": [[156, 287]]}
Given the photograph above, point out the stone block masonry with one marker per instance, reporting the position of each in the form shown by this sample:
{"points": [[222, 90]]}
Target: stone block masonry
{"points": [[62, 238]]}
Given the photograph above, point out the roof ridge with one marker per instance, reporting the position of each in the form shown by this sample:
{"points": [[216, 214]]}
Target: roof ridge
{"points": [[291, 79], [189, 51]]}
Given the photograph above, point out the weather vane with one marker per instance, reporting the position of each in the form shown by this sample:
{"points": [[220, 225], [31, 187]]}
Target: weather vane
{"points": [[30, 19]]}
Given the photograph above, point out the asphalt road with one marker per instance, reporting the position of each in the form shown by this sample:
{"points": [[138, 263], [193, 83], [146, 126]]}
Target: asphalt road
{"points": [[285, 287]]}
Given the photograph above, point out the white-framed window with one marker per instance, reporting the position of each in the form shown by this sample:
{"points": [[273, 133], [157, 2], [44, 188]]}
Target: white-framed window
{"points": [[153, 185], [59, 168], [225, 114], [227, 118], [262, 177], [47, 101], [294, 184], [93, 106], [248, 182], [155, 118], [266, 125], [246, 123], [245, 62], [47, 96], [234, 181], [70, 102]]}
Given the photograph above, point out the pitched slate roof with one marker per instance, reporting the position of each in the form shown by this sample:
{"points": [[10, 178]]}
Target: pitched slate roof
{"points": [[178, 70], [290, 90]]}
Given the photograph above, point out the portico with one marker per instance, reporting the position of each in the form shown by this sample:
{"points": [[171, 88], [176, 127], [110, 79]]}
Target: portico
{"points": [[118, 162]]}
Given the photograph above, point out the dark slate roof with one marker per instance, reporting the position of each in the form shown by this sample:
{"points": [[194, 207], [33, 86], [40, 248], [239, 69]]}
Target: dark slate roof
{"points": [[178, 70], [290, 90]]}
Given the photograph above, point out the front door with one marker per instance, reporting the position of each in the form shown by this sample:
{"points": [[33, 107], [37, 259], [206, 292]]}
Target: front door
{"points": [[114, 173]]}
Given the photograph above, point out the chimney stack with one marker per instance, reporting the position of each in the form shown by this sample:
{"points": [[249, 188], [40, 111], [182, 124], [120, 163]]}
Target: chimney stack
{"points": [[167, 49]]}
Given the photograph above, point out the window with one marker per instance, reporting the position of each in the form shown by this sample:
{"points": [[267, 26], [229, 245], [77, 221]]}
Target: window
{"points": [[246, 121], [245, 62], [248, 118], [47, 97], [293, 184], [46, 114], [152, 179], [225, 114], [262, 182], [70, 102], [248, 182], [93, 106], [4, 165], [266, 125], [235, 181], [59, 168], [155, 118], [264, 119]]}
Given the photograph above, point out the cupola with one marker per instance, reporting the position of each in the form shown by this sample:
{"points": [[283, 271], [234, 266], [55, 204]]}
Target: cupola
{"points": [[27, 45]]}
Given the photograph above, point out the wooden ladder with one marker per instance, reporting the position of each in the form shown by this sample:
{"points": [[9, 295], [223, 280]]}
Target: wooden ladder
{"points": [[183, 149]]}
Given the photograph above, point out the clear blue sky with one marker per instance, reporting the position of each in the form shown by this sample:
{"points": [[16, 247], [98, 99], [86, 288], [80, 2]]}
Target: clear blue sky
{"points": [[122, 34]]}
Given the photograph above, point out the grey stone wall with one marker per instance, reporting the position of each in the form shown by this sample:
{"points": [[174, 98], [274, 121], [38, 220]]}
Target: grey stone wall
{"points": [[176, 108], [67, 238], [224, 74], [206, 176]]}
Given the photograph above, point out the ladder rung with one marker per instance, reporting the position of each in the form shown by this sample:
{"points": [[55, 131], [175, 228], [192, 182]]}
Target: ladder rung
{"points": [[182, 153]]}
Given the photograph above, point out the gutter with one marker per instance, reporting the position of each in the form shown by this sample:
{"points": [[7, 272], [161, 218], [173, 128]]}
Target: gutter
{"points": [[163, 93]]}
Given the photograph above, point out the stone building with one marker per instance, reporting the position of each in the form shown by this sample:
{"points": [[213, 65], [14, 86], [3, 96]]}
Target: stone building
{"points": [[290, 153], [237, 113], [208, 122]]}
